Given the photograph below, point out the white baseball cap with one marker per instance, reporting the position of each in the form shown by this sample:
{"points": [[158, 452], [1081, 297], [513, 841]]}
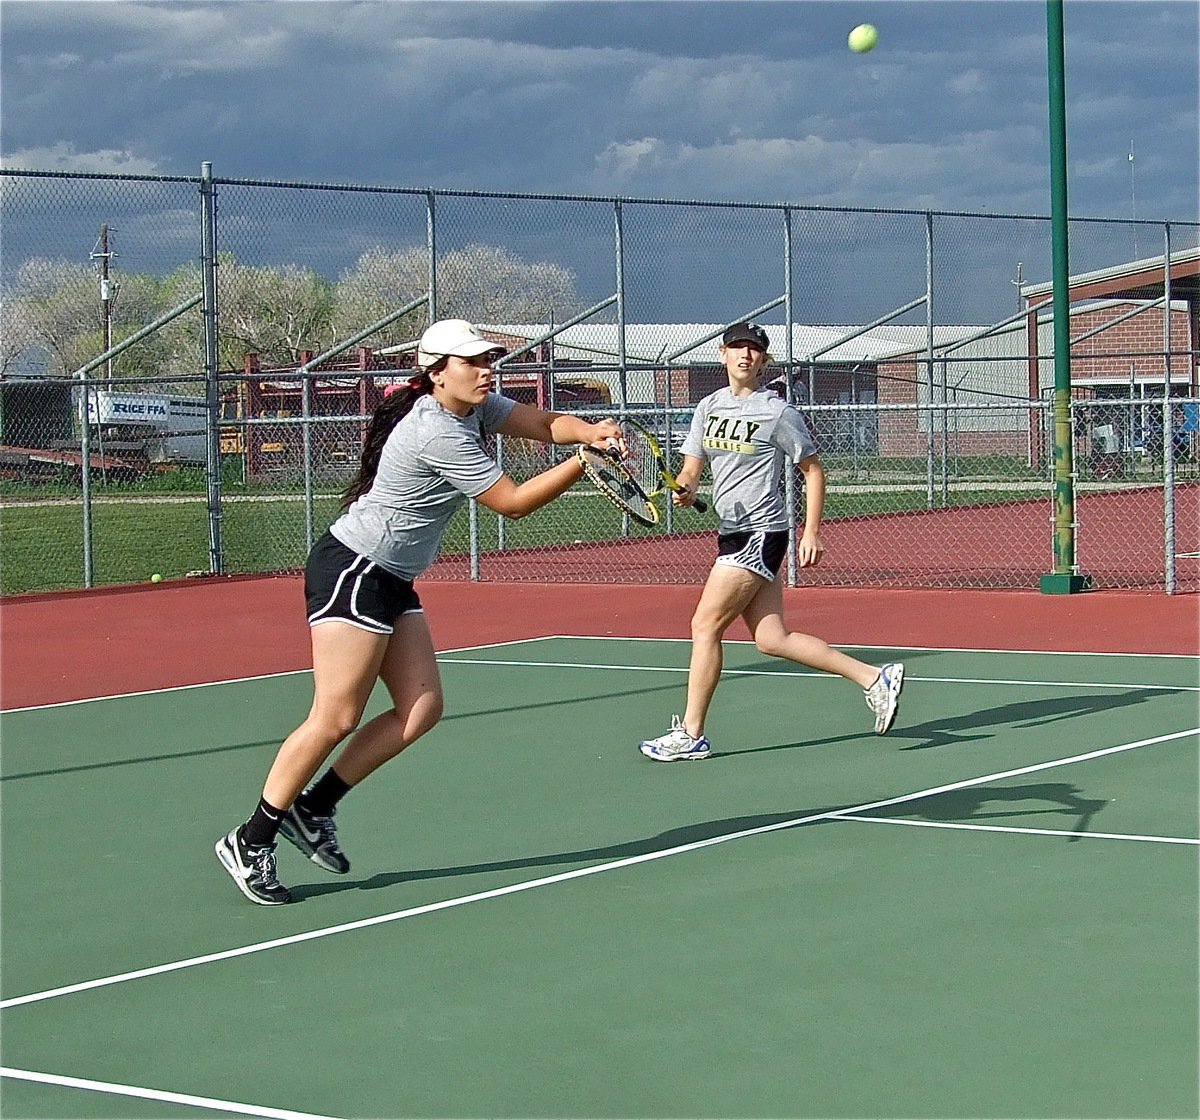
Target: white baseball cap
{"points": [[453, 338]]}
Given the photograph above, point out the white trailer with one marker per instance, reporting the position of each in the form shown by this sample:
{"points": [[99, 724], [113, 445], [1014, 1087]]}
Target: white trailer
{"points": [[171, 429]]}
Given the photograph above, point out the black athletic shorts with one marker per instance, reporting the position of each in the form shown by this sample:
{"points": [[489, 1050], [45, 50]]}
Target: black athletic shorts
{"points": [[757, 552], [342, 586]]}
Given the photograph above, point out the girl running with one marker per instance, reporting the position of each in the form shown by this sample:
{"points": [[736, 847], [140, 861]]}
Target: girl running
{"points": [[748, 434], [423, 456]]}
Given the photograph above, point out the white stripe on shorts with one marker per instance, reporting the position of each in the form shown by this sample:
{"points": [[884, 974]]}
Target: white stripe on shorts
{"points": [[750, 557], [363, 620], [358, 620]]}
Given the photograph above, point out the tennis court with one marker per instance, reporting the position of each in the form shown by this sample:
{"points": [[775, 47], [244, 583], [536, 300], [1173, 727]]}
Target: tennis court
{"points": [[991, 912]]}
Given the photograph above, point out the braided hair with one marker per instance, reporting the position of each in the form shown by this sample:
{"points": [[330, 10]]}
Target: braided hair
{"points": [[391, 410]]}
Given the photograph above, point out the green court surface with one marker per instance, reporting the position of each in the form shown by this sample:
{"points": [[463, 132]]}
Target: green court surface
{"points": [[990, 912]]}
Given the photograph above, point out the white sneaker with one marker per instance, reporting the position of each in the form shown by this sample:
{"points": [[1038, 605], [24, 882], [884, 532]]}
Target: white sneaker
{"points": [[675, 745], [883, 697]]}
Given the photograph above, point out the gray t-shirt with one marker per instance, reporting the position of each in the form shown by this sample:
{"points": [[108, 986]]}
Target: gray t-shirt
{"points": [[747, 441], [432, 461]]}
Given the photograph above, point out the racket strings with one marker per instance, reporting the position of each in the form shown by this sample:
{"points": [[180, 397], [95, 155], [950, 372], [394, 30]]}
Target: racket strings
{"points": [[642, 462], [614, 480], [648, 463]]}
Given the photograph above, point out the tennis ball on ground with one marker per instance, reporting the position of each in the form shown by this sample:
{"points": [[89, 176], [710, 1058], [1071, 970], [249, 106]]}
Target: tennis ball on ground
{"points": [[863, 38], [156, 578]]}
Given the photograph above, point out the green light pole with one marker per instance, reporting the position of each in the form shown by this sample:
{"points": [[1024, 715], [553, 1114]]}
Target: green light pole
{"points": [[1064, 580]]}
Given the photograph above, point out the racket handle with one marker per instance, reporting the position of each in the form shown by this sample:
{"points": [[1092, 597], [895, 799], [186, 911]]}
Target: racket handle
{"points": [[698, 503]]}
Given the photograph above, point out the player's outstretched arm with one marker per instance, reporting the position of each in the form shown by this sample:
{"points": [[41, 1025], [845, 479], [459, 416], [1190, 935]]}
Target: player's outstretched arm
{"points": [[527, 422], [518, 499]]}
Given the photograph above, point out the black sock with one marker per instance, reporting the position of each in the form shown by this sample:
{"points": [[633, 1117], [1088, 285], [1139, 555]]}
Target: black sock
{"points": [[321, 797], [262, 827]]}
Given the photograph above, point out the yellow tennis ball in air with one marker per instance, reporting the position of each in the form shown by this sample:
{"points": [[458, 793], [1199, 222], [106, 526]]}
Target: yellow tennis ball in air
{"points": [[863, 38], [156, 578]]}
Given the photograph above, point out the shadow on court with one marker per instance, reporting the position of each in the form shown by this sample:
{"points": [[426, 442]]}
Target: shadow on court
{"points": [[224, 748], [955, 805], [671, 838], [1039, 713], [172, 757], [958, 805], [953, 731], [947, 732], [678, 685]]}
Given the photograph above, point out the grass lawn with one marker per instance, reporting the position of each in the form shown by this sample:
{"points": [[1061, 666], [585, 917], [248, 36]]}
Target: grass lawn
{"points": [[134, 537]]}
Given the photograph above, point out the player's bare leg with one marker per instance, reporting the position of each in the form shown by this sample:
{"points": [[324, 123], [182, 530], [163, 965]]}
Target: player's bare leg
{"points": [[727, 591], [410, 672], [346, 662], [764, 618]]}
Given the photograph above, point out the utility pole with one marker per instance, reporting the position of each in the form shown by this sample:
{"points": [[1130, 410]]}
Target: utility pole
{"points": [[103, 254], [1019, 283]]}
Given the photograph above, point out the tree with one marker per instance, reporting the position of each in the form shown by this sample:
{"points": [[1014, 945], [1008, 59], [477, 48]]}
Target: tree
{"points": [[272, 312], [57, 303], [382, 281], [52, 316], [482, 283], [54, 310], [488, 284], [17, 334]]}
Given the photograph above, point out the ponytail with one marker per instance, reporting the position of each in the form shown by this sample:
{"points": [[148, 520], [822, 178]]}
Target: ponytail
{"points": [[394, 407]]}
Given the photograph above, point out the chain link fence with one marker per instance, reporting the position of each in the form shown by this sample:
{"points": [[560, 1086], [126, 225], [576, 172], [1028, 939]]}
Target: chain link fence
{"points": [[189, 365]]}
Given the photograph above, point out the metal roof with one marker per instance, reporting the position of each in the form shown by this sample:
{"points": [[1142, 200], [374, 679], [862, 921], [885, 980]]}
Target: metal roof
{"points": [[1138, 280], [652, 343]]}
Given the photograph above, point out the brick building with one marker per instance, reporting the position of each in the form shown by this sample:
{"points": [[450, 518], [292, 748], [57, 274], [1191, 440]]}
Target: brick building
{"points": [[1119, 354]]}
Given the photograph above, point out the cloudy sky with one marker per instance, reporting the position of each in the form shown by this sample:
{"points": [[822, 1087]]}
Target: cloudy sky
{"points": [[674, 99]]}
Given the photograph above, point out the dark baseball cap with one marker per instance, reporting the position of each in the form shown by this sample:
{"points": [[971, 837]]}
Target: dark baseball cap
{"points": [[746, 332]]}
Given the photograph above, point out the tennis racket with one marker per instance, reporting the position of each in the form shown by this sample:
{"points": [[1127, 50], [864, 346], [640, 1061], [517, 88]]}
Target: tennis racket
{"points": [[613, 479], [647, 462]]}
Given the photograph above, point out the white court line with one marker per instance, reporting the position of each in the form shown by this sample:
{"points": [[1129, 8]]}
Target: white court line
{"points": [[908, 649], [442, 655], [229, 680], [814, 676], [1027, 831], [578, 873], [149, 692], [159, 1095]]}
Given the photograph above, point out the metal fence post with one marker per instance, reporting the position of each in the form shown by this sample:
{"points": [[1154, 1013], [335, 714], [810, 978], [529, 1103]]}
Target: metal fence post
{"points": [[473, 522], [929, 358], [212, 388], [945, 428], [85, 474], [619, 250], [622, 373], [431, 245], [790, 476], [1066, 579], [1168, 426], [306, 444]]}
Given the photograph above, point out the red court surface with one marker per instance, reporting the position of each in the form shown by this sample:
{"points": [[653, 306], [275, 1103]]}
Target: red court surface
{"points": [[78, 645], [1002, 546]]}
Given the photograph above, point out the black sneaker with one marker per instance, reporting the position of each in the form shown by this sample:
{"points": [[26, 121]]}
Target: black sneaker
{"points": [[316, 837], [253, 869]]}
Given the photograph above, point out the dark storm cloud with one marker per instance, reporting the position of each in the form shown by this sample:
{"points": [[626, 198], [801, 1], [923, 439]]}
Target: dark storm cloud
{"points": [[757, 101]]}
